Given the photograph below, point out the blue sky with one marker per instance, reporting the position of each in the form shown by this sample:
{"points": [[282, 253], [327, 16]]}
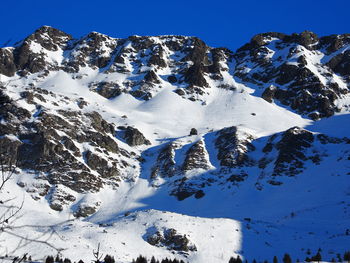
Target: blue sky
{"points": [[217, 22]]}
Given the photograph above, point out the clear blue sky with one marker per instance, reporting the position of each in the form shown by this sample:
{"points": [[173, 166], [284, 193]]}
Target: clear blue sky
{"points": [[229, 23]]}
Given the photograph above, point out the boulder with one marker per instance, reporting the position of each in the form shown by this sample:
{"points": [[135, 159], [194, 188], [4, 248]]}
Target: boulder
{"points": [[171, 240], [134, 137], [193, 131]]}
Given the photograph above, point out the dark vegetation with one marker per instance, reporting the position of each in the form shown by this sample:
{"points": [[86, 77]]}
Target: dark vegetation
{"points": [[100, 258]]}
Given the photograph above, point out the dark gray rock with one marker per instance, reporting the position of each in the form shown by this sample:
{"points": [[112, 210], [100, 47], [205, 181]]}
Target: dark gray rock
{"points": [[7, 64], [86, 210], [157, 59], [170, 239], [172, 79], [108, 90], [193, 131], [269, 94], [302, 89], [232, 151], [340, 63], [151, 77], [41, 147], [196, 157], [101, 165], [291, 150], [197, 52], [99, 124], [194, 76], [134, 137], [165, 166]]}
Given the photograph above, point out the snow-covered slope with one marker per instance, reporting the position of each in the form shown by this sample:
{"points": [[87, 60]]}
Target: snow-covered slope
{"points": [[164, 146]]}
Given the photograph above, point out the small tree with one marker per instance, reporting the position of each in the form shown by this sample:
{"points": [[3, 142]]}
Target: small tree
{"points": [[49, 259], [58, 259], [287, 258], [97, 254], [8, 166], [317, 257], [347, 256], [235, 260], [141, 259], [109, 259]]}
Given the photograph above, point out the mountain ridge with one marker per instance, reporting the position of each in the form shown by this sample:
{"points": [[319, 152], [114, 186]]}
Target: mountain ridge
{"points": [[100, 128]]}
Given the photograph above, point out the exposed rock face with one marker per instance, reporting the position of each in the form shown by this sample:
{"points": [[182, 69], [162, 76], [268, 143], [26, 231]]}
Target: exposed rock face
{"points": [[196, 157], [8, 151], [308, 87], [291, 149], [186, 189], [170, 239], [9, 111], [69, 147], [269, 94], [49, 38], [108, 90], [233, 153], [7, 63], [52, 143], [165, 166], [188, 58], [233, 147], [28, 57], [86, 209], [58, 198], [286, 154], [194, 76], [134, 137], [268, 59], [341, 63], [101, 165]]}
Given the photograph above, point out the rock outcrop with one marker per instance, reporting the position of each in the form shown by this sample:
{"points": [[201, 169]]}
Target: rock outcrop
{"points": [[171, 240], [70, 147], [66, 143], [133, 136], [196, 157], [289, 69], [233, 147]]}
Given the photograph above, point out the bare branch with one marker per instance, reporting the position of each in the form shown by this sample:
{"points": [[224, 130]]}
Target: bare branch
{"points": [[7, 170], [31, 240], [9, 214], [97, 254]]}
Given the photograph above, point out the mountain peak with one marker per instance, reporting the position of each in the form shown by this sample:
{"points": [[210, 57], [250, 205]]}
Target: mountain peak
{"points": [[100, 128]]}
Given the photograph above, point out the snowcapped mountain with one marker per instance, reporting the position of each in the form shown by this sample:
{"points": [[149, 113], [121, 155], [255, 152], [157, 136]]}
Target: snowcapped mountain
{"points": [[165, 146]]}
